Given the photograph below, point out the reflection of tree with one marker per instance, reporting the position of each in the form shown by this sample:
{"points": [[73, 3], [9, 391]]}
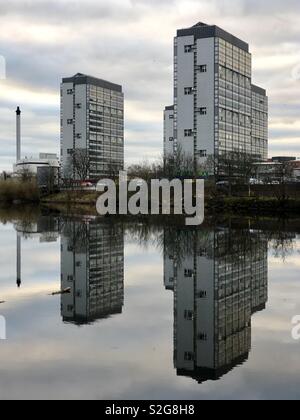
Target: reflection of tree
{"points": [[26, 227], [181, 242], [177, 240], [22, 214], [144, 234], [79, 233], [281, 239], [282, 245], [228, 243]]}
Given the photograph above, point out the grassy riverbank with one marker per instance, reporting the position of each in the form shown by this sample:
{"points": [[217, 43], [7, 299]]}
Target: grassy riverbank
{"points": [[12, 191], [240, 205], [253, 205], [16, 192]]}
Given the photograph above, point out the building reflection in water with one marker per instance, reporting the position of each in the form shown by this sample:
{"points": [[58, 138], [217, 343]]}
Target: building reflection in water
{"points": [[92, 267], [45, 228], [219, 279]]}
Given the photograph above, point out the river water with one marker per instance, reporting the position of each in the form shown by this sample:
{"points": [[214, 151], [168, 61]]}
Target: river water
{"points": [[99, 309]]}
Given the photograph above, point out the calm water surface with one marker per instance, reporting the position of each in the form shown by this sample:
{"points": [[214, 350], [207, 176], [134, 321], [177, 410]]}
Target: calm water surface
{"points": [[150, 313]]}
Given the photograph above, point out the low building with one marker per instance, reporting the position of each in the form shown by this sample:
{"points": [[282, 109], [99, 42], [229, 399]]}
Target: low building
{"points": [[32, 164], [267, 171], [283, 159], [45, 169], [278, 169], [295, 165]]}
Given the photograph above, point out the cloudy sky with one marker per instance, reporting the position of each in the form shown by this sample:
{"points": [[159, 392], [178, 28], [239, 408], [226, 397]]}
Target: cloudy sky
{"points": [[130, 42]]}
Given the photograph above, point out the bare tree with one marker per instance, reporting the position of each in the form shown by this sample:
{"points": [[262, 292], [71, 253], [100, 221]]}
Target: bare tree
{"points": [[81, 164], [235, 167], [142, 170], [25, 174], [283, 174], [179, 164], [114, 168]]}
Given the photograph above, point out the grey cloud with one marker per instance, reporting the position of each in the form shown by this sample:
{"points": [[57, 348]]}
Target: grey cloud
{"points": [[140, 59], [64, 10], [257, 7]]}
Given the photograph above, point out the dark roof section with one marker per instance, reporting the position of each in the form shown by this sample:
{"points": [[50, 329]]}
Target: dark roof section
{"points": [[200, 24], [169, 108], [83, 79], [201, 30], [259, 90], [259, 308], [202, 375], [90, 319]]}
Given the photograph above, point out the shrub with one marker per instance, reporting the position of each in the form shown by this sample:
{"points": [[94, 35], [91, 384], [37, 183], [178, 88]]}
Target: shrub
{"points": [[17, 190]]}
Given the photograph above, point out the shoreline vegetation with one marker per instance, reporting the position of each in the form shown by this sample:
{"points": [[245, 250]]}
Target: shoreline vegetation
{"points": [[229, 194], [221, 204], [31, 213], [270, 200], [14, 191]]}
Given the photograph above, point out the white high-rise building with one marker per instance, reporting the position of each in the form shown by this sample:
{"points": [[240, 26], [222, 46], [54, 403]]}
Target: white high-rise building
{"points": [[92, 267], [92, 121], [216, 107], [219, 279], [169, 130]]}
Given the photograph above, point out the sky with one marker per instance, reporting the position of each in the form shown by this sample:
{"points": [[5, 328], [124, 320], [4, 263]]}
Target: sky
{"points": [[130, 42]]}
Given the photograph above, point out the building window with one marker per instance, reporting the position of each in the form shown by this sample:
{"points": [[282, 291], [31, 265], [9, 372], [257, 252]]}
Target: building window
{"points": [[188, 133], [79, 136], [188, 273], [188, 356], [171, 117], [188, 48], [202, 337], [203, 153], [70, 122], [70, 151], [201, 294], [188, 91], [203, 68], [203, 111], [78, 106], [171, 138], [188, 315], [70, 91]]}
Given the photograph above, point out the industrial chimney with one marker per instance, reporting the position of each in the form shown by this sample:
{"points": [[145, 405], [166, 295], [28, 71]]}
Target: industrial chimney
{"points": [[18, 112], [19, 282]]}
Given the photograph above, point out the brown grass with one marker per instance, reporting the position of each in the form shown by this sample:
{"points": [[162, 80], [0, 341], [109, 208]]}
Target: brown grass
{"points": [[18, 191]]}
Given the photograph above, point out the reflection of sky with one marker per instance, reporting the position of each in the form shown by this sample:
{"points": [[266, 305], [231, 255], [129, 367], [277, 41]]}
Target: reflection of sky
{"points": [[130, 355]]}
